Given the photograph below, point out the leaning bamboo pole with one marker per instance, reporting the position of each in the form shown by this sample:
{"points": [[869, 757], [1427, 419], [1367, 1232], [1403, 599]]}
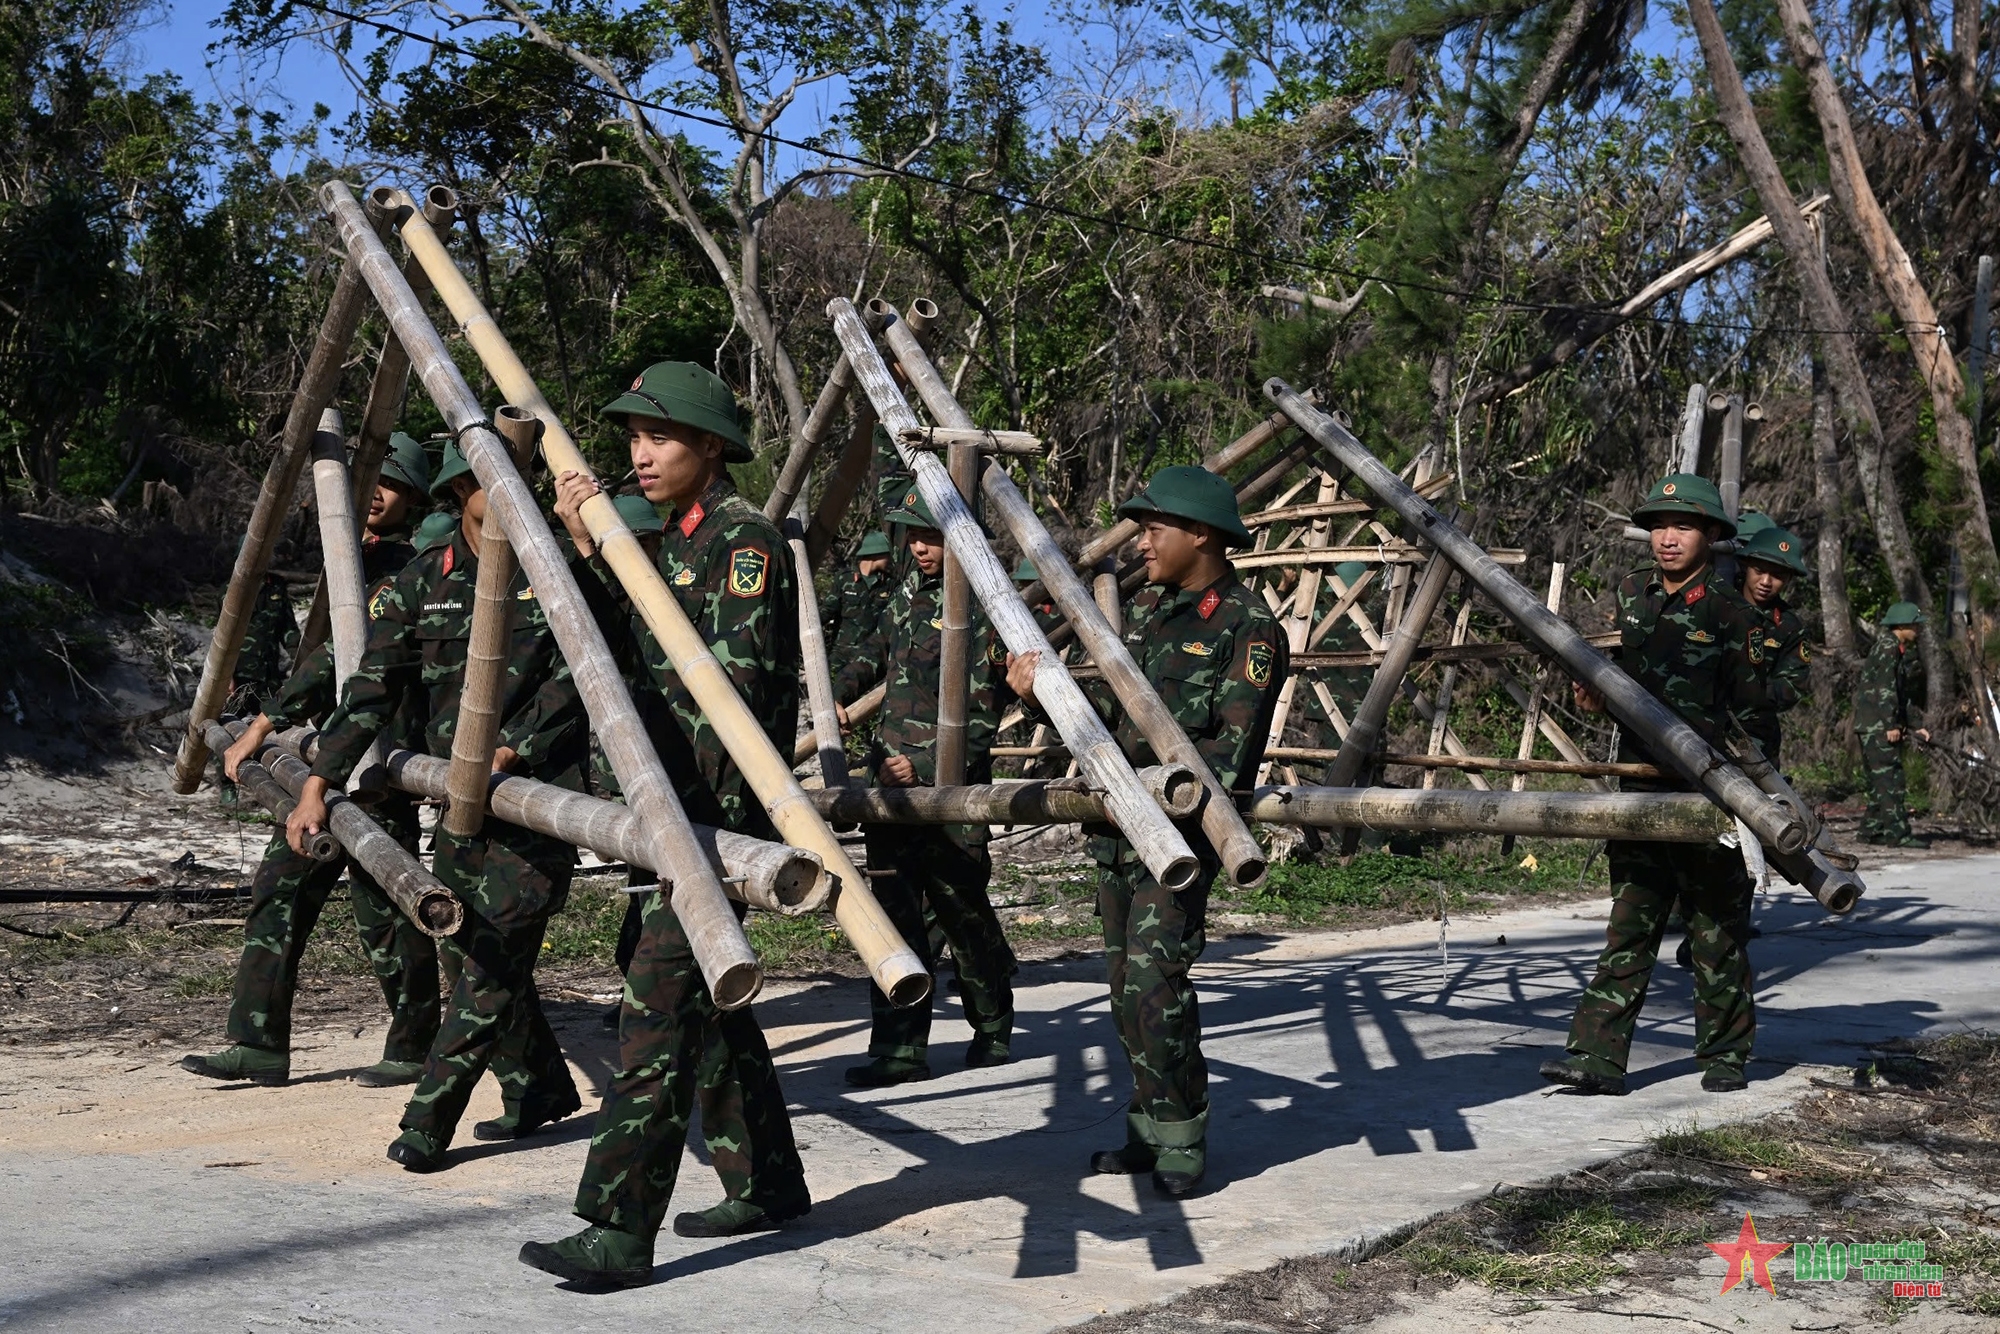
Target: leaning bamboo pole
{"points": [[340, 546], [955, 636], [1729, 462], [727, 962], [1662, 730], [477, 732], [895, 968], [812, 433], [267, 517], [826, 736], [1364, 729], [432, 908], [855, 464], [1160, 846]]}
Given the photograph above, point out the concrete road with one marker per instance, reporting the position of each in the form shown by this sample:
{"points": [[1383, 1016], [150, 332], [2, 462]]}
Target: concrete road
{"points": [[1361, 1082]]}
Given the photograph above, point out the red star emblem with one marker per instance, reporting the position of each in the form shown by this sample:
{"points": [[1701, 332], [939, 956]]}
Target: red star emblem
{"points": [[1747, 1249]]}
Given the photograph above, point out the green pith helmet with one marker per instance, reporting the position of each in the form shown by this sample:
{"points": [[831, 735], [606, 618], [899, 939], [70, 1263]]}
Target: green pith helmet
{"points": [[1187, 492], [1749, 523], [454, 465], [406, 464], [639, 515], [435, 530], [680, 391], [1684, 493], [1025, 572], [1350, 570], [1902, 613], [873, 545], [912, 511], [1773, 546]]}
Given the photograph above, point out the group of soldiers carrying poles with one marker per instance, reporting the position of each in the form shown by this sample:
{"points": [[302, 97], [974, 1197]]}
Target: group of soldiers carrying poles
{"points": [[476, 659]]}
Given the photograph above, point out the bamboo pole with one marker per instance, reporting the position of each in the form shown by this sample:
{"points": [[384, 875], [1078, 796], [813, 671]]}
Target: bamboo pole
{"points": [[1664, 732], [819, 672], [1441, 720], [1694, 420], [1298, 625], [386, 390], [894, 967], [955, 638], [1493, 763], [855, 465], [1666, 817], [267, 517], [484, 685], [1037, 801], [1101, 761], [1564, 743], [340, 546], [1729, 464], [1333, 508], [1531, 723], [256, 779], [716, 938], [1161, 847], [1017, 444], [1364, 730], [763, 875], [1104, 592], [812, 433], [1397, 554], [432, 908]]}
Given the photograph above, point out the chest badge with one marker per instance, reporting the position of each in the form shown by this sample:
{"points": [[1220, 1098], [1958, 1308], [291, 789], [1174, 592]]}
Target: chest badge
{"points": [[1772, 643], [1196, 647], [1209, 602], [1700, 637], [1257, 664], [748, 570], [683, 577], [526, 595], [937, 622]]}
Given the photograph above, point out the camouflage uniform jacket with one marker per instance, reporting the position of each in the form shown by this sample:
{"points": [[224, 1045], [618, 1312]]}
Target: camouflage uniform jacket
{"points": [[1882, 697], [905, 649], [308, 694], [415, 660], [1217, 657], [1699, 651], [1787, 672], [731, 572], [269, 639], [852, 613]]}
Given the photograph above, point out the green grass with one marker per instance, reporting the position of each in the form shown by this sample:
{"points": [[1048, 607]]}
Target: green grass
{"points": [[206, 982], [1560, 1240], [1745, 1146], [1310, 891]]}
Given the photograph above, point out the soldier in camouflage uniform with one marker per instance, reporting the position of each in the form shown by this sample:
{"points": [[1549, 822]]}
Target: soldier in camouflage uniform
{"points": [[511, 879], [1772, 557], [1882, 720], [1695, 645], [730, 571], [289, 891], [1218, 658], [269, 641], [852, 610], [944, 868]]}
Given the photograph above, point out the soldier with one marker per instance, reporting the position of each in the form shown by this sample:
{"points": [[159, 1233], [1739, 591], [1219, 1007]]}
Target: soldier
{"points": [[1771, 559], [270, 639], [1218, 658], [945, 868], [852, 611], [289, 890], [1695, 644], [1882, 720], [729, 569], [511, 880]]}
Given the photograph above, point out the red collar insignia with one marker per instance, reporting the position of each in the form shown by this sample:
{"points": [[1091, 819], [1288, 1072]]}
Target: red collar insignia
{"points": [[1209, 602], [692, 519], [449, 552], [1696, 594]]}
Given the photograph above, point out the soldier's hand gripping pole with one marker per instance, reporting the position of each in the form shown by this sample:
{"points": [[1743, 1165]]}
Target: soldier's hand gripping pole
{"points": [[432, 908], [1826, 872], [1160, 845], [895, 968], [727, 962], [1664, 733], [253, 558]]}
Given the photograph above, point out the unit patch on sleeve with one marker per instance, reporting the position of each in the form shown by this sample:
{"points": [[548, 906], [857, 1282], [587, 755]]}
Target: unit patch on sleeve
{"points": [[1257, 663], [748, 568], [379, 601]]}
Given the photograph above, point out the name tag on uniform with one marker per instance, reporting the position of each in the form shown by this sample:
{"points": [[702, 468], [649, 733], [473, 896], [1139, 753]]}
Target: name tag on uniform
{"points": [[430, 607]]}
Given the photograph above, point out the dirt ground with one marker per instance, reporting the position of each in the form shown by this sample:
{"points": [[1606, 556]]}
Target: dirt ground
{"points": [[1909, 1150]]}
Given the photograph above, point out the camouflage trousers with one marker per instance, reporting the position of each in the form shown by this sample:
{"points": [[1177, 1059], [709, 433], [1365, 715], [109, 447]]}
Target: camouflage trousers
{"points": [[677, 1048], [936, 882], [1151, 941], [287, 896], [511, 882], [1888, 816], [1712, 887]]}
